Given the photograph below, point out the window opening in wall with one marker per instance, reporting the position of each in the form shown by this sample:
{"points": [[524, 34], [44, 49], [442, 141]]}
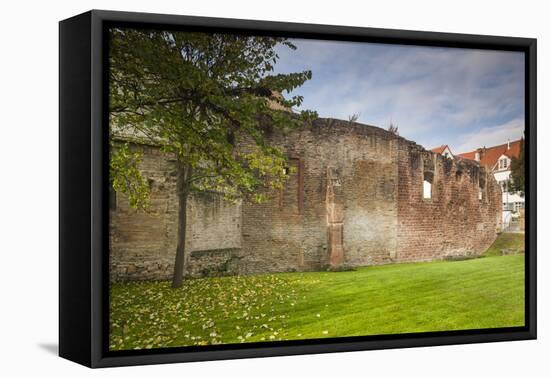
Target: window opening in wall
{"points": [[427, 190], [427, 186], [481, 188]]}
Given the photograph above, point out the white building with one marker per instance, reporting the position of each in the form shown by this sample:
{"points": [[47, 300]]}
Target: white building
{"points": [[499, 160]]}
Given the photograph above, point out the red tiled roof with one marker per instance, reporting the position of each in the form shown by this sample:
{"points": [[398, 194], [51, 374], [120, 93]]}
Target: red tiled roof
{"points": [[440, 149], [489, 155]]}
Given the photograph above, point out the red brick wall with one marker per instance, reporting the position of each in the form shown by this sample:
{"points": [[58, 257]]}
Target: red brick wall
{"points": [[143, 244], [454, 221], [379, 192], [278, 236]]}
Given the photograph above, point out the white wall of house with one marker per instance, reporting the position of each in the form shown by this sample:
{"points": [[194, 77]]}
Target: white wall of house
{"points": [[502, 175], [447, 153], [511, 201]]}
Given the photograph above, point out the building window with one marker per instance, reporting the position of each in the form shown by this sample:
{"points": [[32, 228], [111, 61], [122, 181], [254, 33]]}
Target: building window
{"points": [[503, 163], [504, 186], [518, 206]]}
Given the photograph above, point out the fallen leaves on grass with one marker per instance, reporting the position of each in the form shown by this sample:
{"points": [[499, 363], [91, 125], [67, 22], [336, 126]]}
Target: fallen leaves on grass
{"points": [[153, 315]]}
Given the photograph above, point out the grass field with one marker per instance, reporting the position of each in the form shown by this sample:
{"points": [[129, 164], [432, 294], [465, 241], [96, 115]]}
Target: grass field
{"points": [[401, 298]]}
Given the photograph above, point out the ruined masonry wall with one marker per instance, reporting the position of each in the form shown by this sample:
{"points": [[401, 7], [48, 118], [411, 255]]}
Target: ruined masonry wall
{"points": [[374, 210], [143, 245], [289, 232], [457, 220]]}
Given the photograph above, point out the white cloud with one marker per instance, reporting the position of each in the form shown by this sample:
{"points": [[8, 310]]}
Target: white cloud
{"points": [[490, 136], [435, 95]]}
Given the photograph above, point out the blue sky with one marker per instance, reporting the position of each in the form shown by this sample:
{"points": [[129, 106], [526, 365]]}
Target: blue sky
{"points": [[465, 98]]}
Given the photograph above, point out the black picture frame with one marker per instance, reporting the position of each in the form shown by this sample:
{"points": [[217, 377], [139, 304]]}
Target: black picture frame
{"points": [[83, 194]]}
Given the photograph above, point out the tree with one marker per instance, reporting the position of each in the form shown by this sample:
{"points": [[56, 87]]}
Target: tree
{"points": [[517, 184], [201, 98]]}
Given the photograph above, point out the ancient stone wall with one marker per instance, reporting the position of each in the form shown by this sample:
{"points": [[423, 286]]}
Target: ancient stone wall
{"points": [[290, 232], [143, 244], [461, 217], [354, 196]]}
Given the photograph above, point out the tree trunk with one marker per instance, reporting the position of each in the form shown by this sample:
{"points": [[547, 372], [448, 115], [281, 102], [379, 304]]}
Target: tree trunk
{"points": [[183, 193]]}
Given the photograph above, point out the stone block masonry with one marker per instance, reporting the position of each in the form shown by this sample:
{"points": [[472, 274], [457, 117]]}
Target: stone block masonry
{"points": [[354, 196]]}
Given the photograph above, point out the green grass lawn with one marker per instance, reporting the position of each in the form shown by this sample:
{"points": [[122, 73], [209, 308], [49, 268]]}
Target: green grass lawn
{"points": [[401, 298]]}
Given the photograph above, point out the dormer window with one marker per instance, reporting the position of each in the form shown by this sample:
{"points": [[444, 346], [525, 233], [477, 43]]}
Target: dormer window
{"points": [[503, 163]]}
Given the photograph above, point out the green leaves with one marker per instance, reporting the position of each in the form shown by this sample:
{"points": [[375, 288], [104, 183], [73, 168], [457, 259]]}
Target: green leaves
{"points": [[125, 176], [206, 99], [518, 170]]}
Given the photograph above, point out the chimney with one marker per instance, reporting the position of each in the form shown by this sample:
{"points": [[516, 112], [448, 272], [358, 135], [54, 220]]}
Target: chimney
{"points": [[478, 155], [508, 144]]}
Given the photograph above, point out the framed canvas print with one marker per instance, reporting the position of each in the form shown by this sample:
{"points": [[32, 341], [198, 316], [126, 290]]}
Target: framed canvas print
{"points": [[233, 188]]}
